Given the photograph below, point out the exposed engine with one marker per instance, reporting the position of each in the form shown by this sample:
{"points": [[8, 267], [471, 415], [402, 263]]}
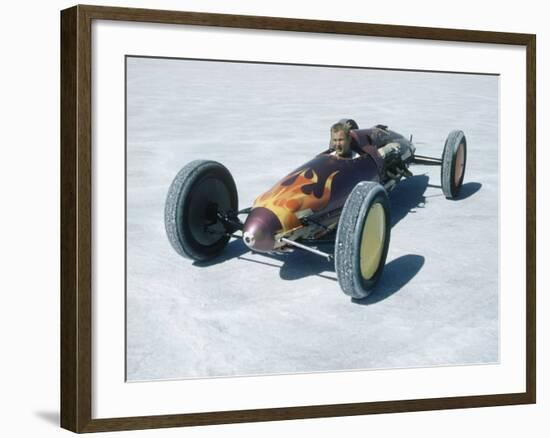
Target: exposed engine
{"points": [[397, 156]]}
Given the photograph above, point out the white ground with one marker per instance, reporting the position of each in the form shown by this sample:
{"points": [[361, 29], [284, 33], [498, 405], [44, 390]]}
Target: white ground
{"points": [[243, 313]]}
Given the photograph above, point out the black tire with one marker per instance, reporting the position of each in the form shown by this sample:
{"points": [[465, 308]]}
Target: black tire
{"points": [[197, 192], [358, 271], [453, 166]]}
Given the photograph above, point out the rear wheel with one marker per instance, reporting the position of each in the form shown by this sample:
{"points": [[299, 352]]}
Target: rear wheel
{"points": [[199, 191], [362, 239], [453, 164]]}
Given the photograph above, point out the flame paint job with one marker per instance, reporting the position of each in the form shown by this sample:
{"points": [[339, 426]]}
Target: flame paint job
{"points": [[320, 185], [296, 193]]}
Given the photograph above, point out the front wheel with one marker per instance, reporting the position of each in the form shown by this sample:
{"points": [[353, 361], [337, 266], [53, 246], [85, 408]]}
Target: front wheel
{"points": [[453, 164], [362, 239], [199, 191]]}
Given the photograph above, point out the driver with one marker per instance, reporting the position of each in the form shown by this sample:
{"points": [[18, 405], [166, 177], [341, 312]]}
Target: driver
{"points": [[340, 140]]}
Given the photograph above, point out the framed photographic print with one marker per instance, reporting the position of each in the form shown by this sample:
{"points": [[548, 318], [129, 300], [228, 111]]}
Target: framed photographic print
{"points": [[269, 218]]}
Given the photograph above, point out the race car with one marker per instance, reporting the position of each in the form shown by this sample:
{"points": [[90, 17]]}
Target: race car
{"points": [[330, 195]]}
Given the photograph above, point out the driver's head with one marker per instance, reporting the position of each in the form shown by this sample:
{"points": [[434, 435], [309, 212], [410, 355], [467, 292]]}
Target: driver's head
{"points": [[340, 139]]}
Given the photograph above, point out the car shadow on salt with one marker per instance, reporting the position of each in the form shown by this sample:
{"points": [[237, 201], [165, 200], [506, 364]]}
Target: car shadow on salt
{"points": [[396, 275], [298, 265], [234, 249], [407, 197], [467, 190]]}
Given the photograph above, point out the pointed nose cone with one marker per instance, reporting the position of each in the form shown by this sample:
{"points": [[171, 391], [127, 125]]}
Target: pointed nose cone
{"points": [[260, 228]]}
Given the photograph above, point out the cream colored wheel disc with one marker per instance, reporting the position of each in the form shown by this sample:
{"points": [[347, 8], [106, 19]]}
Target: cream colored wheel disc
{"points": [[459, 164], [372, 241]]}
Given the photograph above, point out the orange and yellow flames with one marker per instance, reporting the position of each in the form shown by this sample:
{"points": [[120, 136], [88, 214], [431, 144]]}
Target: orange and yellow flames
{"points": [[286, 201]]}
